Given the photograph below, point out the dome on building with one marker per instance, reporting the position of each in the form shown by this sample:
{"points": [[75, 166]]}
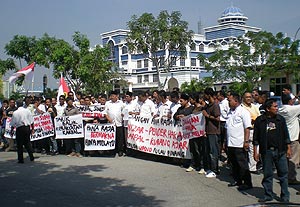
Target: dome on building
{"points": [[232, 15], [232, 11]]}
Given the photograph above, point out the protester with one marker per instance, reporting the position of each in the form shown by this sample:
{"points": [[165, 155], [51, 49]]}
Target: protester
{"points": [[272, 136], [291, 113], [212, 128], [22, 119], [238, 127], [254, 113], [8, 113], [224, 109], [147, 107], [113, 112], [73, 146]]}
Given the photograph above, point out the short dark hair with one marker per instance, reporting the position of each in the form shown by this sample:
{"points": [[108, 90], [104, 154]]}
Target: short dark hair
{"points": [[68, 99], [209, 91], [174, 94], [128, 93], [222, 93], [269, 103], [285, 98], [163, 94], [287, 86], [62, 96], [19, 103], [184, 96], [236, 96], [114, 92], [5, 101]]}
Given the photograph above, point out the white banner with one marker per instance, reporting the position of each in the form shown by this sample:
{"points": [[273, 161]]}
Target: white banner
{"points": [[8, 129], [161, 137], [92, 111], [68, 127], [99, 137], [43, 127], [193, 126]]}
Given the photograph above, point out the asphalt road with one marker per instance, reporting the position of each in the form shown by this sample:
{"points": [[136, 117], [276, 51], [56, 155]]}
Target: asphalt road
{"points": [[121, 181]]}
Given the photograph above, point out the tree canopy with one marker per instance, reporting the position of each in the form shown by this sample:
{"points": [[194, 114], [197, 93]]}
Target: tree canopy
{"points": [[159, 39], [253, 57], [84, 68]]}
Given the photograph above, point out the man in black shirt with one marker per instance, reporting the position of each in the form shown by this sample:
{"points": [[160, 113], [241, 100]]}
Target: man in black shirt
{"points": [[272, 136]]}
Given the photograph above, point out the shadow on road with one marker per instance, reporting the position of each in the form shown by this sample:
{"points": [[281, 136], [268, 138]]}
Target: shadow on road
{"points": [[42, 184]]}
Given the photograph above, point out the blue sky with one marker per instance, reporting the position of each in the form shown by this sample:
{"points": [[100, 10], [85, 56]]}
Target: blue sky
{"points": [[61, 18]]}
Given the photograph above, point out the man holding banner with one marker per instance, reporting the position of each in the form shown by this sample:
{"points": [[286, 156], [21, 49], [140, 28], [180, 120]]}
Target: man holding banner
{"points": [[22, 119], [113, 113]]}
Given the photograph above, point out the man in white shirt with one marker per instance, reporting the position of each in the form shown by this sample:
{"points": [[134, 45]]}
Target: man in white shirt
{"points": [[254, 113], [113, 113], [174, 98], [224, 109], [22, 119], [164, 107], [238, 129], [291, 112], [147, 107]]}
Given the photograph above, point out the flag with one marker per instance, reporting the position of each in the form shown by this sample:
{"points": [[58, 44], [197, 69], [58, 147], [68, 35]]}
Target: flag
{"points": [[63, 88], [27, 72]]}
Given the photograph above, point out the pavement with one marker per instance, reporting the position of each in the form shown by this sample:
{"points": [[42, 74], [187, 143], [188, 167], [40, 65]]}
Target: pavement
{"points": [[120, 182]]}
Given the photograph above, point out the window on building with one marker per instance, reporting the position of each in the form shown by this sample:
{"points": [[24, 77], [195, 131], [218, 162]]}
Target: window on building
{"points": [[155, 78], [124, 62], [111, 50], [193, 61], [139, 78], [161, 61], [139, 64], [201, 48], [182, 61], [146, 78], [124, 50], [276, 85], [146, 63], [193, 46], [173, 61]]}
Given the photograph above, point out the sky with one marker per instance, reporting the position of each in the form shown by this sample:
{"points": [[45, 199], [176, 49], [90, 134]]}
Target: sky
{"points": [[61, 18]]}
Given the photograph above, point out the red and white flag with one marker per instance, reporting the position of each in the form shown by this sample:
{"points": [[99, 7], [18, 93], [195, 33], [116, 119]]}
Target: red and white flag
{"points": [[27, 72], [63, 88]]}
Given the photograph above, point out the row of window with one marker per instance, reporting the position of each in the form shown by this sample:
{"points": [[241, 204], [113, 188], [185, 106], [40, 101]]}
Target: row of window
{"points": [[182, 62], [146, 78]]}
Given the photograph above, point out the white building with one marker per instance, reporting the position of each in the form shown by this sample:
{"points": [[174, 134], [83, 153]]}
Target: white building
{"points": [[140, 73]]}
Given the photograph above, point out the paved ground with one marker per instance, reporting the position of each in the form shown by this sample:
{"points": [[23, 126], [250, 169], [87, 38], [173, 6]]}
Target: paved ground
{"points": [[122, 181]]}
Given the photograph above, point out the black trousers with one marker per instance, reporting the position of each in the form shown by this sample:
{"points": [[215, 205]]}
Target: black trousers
{"points": [[23, 139], [238, 158], [120, 146]]}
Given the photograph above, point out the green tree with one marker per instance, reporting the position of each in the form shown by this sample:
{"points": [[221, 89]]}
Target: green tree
{"points": [[161, 40], [84, 68], [253, 57], [196, 85]]}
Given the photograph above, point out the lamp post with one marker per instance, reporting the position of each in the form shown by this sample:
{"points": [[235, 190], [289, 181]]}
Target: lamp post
{"points": [[296, 34], [45, 80]]}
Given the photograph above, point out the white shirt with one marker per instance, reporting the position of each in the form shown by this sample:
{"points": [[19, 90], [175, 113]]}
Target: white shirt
{"points": [[21, 117], [164, 109], [147, 108], [238, 120], [60, 109], [114, 111], [291, 113], [129, 107], [224, 109]]}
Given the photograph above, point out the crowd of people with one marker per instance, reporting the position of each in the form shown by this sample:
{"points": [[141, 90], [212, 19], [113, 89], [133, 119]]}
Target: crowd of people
{"points": [[249, 132]]}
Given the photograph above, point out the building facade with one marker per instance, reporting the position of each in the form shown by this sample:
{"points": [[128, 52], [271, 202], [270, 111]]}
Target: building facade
{"points": [[140, 72]]}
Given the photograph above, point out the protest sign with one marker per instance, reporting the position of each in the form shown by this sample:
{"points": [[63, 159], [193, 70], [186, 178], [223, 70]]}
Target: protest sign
{"points": [[68, 127], [156, 136], [92, 111], [193, 126], [43, 127], [8, 129], [99, 137]]}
